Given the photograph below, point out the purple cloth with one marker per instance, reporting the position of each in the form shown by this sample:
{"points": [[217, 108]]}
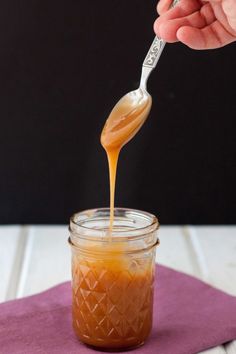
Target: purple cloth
{"points": [[189, 316]]}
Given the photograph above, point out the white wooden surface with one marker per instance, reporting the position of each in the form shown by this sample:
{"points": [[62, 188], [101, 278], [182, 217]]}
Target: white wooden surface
{"points": [[34, 258]]}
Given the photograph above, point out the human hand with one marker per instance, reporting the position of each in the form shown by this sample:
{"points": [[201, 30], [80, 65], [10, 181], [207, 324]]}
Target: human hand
{"points": [[198, 24]]}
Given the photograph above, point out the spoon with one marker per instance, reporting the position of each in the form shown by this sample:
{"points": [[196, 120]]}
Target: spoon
{"points": [[131, 111]]}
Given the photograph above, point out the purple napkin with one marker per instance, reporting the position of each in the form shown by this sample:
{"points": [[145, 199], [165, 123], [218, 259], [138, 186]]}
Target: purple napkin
{"points": [[189, 316]]}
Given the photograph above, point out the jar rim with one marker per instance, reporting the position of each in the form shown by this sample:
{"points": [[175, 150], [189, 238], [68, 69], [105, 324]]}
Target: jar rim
{"points": [[79, 228]]}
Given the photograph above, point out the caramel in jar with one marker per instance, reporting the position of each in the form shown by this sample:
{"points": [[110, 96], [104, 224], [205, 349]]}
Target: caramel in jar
{"points": [[112, 284]]}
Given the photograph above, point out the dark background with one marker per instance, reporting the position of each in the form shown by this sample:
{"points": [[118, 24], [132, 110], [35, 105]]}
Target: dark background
{"points": [[63, 65]]}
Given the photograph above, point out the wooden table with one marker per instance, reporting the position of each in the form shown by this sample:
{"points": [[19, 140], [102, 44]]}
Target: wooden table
{"points": [[34, 258]]}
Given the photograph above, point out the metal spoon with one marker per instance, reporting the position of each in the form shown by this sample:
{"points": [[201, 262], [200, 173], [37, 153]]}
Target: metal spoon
{"points": [[120, 127], [129, 114]]}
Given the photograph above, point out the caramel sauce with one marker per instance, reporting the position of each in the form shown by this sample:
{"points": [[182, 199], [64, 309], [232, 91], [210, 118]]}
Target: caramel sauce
{"points": [[112, 298], [123, 123]]}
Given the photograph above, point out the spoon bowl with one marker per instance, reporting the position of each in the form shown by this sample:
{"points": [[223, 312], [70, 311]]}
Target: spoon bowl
{"points": [[126, 118]]}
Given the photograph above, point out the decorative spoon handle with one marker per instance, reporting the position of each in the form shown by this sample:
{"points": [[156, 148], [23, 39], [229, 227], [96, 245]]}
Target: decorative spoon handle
{"points": [[154, 53], [153, 56]]}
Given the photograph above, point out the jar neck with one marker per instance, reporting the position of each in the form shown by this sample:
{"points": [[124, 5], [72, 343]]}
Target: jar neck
{"points": [[130, 226]]}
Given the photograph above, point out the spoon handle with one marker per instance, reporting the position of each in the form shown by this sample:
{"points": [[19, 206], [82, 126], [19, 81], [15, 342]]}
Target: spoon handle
{"points": [[153, 56], [154, 53]]}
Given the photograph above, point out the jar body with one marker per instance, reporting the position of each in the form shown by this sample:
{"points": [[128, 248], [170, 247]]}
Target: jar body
{"points": [[112, 287]]}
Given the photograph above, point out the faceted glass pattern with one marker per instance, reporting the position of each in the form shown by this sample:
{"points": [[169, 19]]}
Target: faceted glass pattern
{"points": [[113, 297]]}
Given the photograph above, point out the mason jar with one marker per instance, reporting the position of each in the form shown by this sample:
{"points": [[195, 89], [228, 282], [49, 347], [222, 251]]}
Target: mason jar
{"points": [[112, 276]]}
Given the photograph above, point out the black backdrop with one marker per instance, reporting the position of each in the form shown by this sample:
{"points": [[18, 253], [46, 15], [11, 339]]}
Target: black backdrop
{"points": [[63, 65]]}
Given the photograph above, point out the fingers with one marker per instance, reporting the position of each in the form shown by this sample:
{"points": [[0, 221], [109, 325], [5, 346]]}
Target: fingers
{"points": [[167, 30], [210, 37], [163, 6], [167, 25], [183, 8], [199, 19], [194, 23]]}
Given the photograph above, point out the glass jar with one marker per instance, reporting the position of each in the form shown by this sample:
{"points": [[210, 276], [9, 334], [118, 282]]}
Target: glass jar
{"points": [[112, 277]]}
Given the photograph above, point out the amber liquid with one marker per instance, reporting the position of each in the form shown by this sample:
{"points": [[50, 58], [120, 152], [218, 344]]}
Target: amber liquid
{"points": [[112, 298], [112, 156], [125, 120]]}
